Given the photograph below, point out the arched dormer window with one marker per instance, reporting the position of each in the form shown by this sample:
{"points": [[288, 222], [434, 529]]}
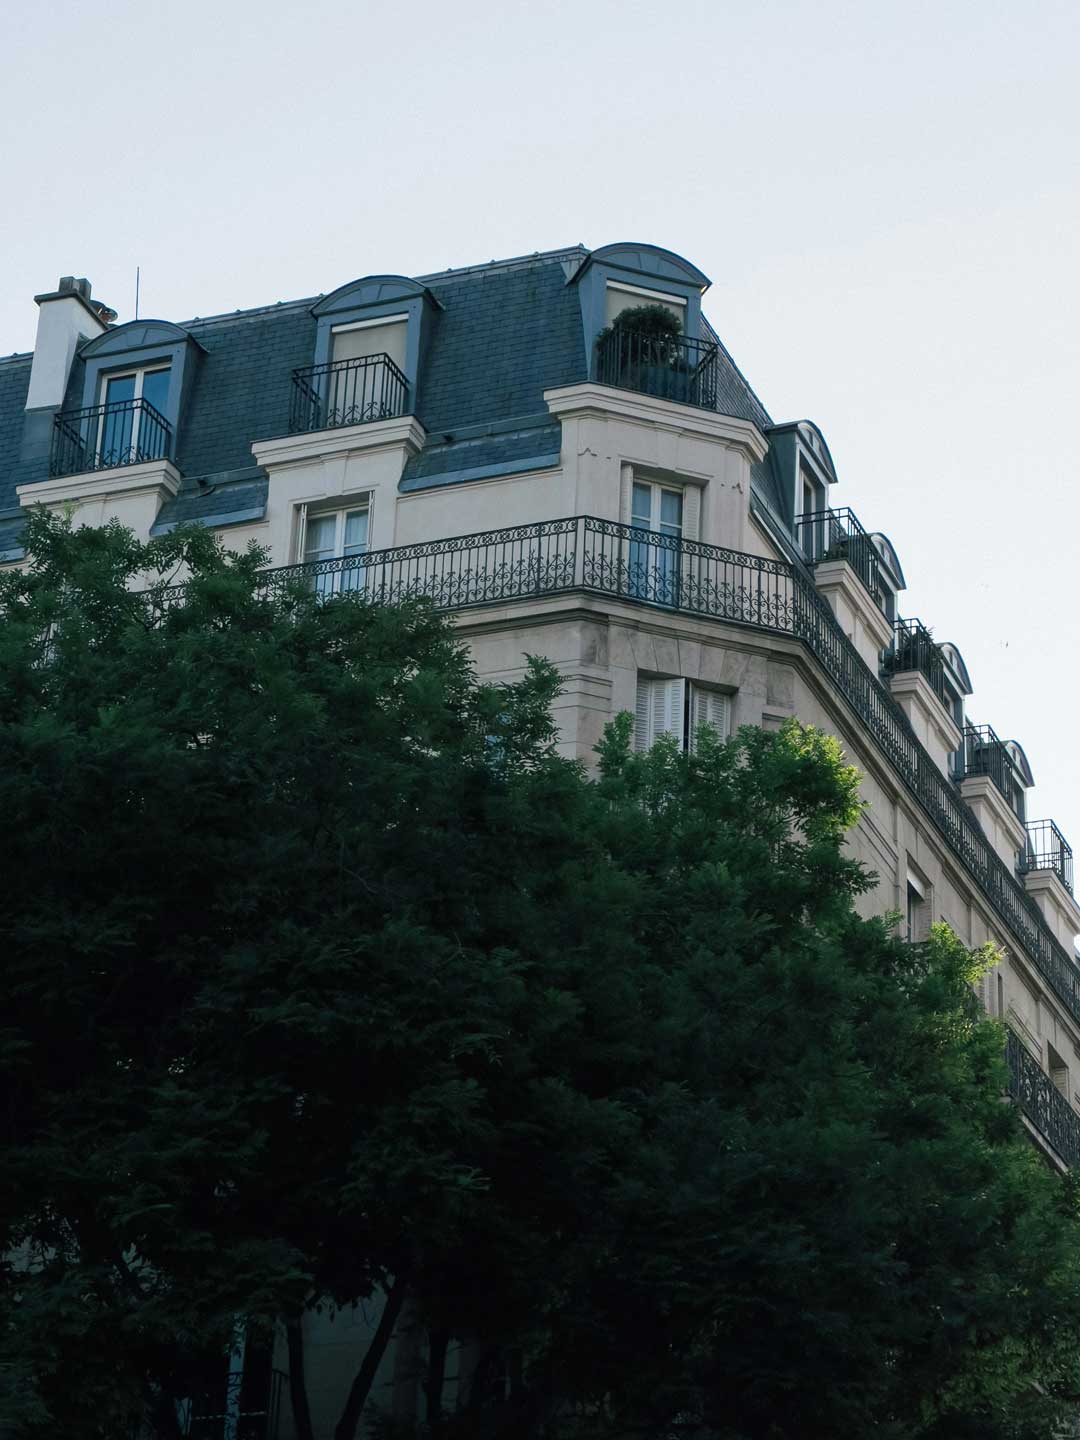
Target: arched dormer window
{"points": [[627, 276], [136, 379], [369, 339]]}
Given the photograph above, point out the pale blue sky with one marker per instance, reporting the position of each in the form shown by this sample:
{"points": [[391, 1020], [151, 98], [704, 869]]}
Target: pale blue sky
{"points": [[885, 195]]}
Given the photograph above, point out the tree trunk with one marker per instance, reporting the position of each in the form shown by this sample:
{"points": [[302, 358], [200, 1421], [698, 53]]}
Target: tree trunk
{"points": [[361, 1386], [436, 1370], [294, 1333]]}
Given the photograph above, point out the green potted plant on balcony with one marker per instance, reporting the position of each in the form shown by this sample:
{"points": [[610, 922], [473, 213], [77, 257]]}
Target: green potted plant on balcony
{"points": [[641, 350]]}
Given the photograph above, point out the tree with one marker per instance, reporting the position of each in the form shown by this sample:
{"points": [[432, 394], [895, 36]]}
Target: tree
{"points": [[328, 979]]}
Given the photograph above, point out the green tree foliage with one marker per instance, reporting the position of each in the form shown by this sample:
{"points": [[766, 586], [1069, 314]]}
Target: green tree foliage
{"points": [[326, 978]]}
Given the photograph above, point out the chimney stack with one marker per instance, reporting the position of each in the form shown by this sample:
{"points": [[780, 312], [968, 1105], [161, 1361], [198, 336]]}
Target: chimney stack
{"points": [[66, 317]]}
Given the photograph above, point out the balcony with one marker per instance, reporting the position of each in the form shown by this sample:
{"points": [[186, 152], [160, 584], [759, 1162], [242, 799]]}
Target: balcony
{"points": [[1042, 1102], [347, 392], [984, 754], [1047, 849], [913, 648], [837, 535], [670, 367], [585, 555], [101, 437]]}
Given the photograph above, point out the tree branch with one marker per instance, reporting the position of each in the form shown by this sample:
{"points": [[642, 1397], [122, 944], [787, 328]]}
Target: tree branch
{"points": [[361, 1386]]}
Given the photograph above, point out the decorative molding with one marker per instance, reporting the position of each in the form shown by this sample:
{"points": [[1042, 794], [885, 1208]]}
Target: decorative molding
{"points": [[402, 432], [157, 477], [607, 402]]}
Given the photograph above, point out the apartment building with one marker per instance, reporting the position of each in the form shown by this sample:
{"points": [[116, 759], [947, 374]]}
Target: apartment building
{"points": [[559, 450]]}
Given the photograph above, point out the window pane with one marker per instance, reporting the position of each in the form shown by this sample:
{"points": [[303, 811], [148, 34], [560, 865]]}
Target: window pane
{"points": [[670, 510], [114, 441], [155, 389], [121, 387], [356, 532], [321, 534], [642, 504]]}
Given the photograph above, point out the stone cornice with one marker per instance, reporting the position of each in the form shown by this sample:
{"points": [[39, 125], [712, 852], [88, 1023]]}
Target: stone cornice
{"points": [[403, 432], [158, 477], [607, 402]]}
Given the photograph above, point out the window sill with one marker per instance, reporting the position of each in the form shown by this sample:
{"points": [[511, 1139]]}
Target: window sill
{"points": [[158, 477]]}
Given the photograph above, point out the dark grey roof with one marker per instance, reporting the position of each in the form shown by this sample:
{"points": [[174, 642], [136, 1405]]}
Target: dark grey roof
{"points": [[507, 331], [14, 384]]}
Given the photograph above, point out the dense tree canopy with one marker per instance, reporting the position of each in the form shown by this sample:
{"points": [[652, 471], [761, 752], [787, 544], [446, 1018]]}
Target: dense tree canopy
{"points": [[326, 977]]}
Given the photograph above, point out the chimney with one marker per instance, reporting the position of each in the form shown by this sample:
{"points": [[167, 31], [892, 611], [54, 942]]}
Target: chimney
{"points": [[66, 317]]}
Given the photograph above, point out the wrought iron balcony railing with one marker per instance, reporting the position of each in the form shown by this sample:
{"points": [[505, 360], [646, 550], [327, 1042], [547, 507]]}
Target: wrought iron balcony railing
{"points": [[982, 753], [837, 535], [213, 1418], [126, 432], [347, 392], [1047, 849], [671, 367], [913, 648], [1042, 1102], [592, 556]]}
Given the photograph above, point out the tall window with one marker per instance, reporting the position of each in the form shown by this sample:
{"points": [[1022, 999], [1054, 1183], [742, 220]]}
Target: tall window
{"points": [[654, 564], [678, 708], [127, 430], [337, 535]]}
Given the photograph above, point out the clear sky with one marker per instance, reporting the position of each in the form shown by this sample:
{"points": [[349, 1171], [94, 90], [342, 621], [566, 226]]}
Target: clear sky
{"points": [[885, 196]]}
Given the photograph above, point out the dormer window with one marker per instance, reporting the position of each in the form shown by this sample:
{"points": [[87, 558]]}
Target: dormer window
{"points": [[368, 342], [136, 378]]}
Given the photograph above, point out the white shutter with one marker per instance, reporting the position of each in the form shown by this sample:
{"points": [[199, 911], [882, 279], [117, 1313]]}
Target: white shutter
{"points": [[301, 531], [668, 709], [642, 714], [691, 512], [626, 494], [708, 707]]}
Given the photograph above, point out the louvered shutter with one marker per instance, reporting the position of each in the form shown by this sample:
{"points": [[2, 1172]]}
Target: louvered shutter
{"points": [[301, 531], [668, 709], [691, 512], [708, 707], [626, 494], [643, 714]]}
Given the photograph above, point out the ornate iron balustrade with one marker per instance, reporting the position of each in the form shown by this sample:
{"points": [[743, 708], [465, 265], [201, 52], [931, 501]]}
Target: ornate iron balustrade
{"points": [[984, 754], [671, 367], [347, 392], [913, 648], [1047, 849], [126, 432], [837, 535], [585, 554], [1042, 1102], [263, 1423]]}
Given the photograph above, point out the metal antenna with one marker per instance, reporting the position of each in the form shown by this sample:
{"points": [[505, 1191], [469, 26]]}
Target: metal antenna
{"points": [[136, 292]]}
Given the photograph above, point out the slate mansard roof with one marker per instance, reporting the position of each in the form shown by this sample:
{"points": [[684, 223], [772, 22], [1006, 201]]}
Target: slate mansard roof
{"points": [[501, 335]]}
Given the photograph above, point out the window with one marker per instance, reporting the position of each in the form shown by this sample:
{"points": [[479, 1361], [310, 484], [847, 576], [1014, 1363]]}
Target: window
{"points": [[128, 431], [919, 910], [1058, 1070], [335, 535], [655, 565], [678, 708]]}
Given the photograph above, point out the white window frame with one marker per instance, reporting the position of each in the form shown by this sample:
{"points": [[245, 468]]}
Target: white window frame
{"points": [[139, 373], [639, 295], [330, 582]]}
